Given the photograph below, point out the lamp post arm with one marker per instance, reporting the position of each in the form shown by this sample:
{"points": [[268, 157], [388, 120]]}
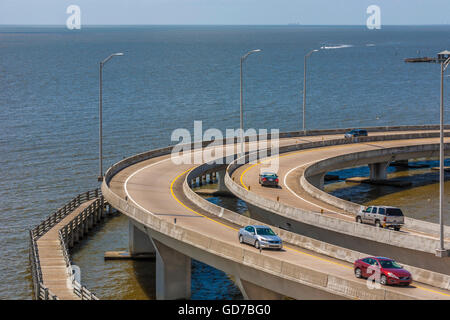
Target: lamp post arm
{"points": [[445, 64]]}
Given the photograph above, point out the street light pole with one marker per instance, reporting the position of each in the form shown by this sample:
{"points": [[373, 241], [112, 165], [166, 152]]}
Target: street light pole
{"points": [[304, 89], [242, 102], [441, 251], [100, 111]]}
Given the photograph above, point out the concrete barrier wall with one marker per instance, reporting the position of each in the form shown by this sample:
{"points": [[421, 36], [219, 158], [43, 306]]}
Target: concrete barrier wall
{"points": [[412, 249], [413, 242], [421, 275]]}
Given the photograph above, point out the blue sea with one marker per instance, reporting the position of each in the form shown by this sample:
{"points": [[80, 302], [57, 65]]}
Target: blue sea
{"points": [[170, 76]]}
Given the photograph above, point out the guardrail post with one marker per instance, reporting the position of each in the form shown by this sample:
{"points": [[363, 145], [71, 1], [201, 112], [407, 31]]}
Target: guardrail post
{"points": [[37, 290], [45, 293]]}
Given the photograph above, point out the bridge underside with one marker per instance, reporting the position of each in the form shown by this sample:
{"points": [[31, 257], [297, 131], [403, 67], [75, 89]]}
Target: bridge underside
{"points": [[377, 165]]}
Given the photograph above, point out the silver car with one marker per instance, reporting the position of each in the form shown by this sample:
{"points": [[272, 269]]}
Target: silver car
{"points": [[260, 237]]}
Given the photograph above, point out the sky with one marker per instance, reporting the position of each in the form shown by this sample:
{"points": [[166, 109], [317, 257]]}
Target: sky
{"points": [[228, 12]]}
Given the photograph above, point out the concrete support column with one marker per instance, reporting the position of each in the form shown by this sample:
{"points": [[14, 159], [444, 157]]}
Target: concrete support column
{"points": [[251, 291], [76, 234], [71, 239], [91, 221], [138, 241], [173, 273], [103, 211], [317, 180], [221, 181], [378, 171]]}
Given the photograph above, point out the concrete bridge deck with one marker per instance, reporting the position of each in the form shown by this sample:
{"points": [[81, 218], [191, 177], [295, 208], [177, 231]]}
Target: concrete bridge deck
{"points": [[150, 192]]}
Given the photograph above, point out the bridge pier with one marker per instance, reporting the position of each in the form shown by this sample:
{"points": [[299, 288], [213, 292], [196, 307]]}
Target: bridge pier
{"points": [[317, 180], [77, 234], [173, 273], [221, 187], [378, 171], [138, 241], [91, 222]]}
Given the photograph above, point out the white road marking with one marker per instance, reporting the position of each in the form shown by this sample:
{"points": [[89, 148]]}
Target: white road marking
{"points": [[295, 194]]}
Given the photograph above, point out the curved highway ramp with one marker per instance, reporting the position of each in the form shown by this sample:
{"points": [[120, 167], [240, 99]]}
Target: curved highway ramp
{"points": [[165, 217]]}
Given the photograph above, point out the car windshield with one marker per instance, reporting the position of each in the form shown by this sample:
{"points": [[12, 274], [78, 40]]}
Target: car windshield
{"points": [[270, 175], [389, 264], [394, 212], [265, 232]]}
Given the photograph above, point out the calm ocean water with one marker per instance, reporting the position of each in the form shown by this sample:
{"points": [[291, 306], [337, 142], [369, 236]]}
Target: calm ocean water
{"points": [[169, 77]]}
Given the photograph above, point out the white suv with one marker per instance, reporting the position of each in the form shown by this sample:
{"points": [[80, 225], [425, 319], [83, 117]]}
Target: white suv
{"points": [[382, 217]]}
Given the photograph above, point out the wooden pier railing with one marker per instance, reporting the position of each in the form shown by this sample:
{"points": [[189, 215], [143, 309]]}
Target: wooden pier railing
{"points": [[69, 231]]}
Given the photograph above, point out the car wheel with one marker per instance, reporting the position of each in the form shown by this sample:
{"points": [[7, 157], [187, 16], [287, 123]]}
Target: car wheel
{"points": [[358, 273], [396, 228], [358, 219], [378, 224], [383, 280], [241, 239], [257, 245]]}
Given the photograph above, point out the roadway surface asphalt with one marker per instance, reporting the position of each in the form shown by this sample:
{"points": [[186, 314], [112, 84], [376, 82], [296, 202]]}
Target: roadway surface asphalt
{"points": [[155, 186]]}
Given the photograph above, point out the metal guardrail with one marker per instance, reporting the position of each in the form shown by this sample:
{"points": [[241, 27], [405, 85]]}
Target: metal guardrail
{"points": [[41, 292]]}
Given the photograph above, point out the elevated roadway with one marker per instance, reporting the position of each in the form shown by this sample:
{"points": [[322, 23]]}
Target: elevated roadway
{"points": [[301, 189], [151, 190]]}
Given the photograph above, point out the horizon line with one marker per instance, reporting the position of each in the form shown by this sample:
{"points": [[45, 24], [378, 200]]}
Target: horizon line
{"points": [[243, 25]]}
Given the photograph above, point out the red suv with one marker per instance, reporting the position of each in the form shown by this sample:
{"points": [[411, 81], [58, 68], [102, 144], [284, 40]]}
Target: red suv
{"points": [[390, 272]]}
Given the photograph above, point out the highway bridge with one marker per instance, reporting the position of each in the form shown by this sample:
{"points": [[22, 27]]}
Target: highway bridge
{"points": [[169, 218]]}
